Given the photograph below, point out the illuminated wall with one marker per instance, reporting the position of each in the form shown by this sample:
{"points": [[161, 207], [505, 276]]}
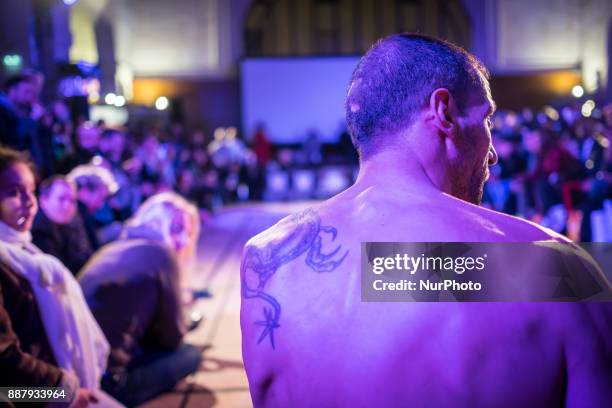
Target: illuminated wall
{"points": [[186, 38], [514, 36], [83, 47], [204, 38], [174, 47]]}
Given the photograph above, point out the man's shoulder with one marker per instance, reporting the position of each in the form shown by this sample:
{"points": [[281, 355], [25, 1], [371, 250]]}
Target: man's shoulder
{"points": [[581, 272], [301, 233], [513, 228], [292, 228]]}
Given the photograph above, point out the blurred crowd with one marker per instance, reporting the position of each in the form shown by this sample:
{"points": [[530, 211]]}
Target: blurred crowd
{"points": [[555, 168], [554, 163], [112, 170], [96, 251], [119, 209]]}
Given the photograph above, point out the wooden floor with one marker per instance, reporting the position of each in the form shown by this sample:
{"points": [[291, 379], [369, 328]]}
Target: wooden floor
{"points": [[221, 380]]}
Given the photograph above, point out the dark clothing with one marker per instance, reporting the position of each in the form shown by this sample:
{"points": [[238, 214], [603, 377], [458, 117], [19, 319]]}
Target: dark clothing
{"points": [[262, 148], [78, 157], [22, 133], [132, 288], [152, 373], [69, 243], [9, 121], [26, 358], [91, 227]]}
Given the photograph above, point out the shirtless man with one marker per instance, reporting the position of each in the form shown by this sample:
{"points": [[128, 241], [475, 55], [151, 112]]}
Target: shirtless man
{"points": [[418, 110]]}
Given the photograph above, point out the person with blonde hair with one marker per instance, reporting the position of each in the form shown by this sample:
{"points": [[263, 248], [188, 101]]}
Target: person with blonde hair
{"points": [[133, 286], [165, 212]]}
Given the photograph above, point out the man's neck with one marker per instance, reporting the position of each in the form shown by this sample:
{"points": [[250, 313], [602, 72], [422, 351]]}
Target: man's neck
{"points": [[400, 170]]}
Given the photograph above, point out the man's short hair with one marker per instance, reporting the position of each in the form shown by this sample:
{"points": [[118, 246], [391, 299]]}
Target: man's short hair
{"points": [[395, 78]]}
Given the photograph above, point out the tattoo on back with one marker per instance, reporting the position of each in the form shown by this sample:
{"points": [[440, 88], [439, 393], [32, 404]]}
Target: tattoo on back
{"points": [[259, 264]]}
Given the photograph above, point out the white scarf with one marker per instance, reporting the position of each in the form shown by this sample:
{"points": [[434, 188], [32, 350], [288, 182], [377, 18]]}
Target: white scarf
{"points": [[77, 341]]}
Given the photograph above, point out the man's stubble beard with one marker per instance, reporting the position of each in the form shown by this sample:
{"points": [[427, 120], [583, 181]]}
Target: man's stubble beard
{"points": [[472, 189], [477, 198], [477, 188]]}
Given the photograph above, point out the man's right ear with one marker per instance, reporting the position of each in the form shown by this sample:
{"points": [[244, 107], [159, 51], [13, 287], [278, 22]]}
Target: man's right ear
{"points": [[440, 111]]}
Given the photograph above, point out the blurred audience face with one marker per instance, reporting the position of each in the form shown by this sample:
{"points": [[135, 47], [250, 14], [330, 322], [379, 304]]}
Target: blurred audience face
{"points": [[18, 204], [175, 219], [150, 143], [88, 136], [37, 79], [112, 145], [59, 203], [533, 141], [61, 111], [23, 94], [198, 138], [93, 194], [211, 179], [219, 133], [186, 181], [503, 147], [607, 114], [200, 157]]}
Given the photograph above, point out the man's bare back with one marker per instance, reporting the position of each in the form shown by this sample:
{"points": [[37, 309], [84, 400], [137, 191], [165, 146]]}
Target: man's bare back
{"points": [[309, 340], [419, 113]]}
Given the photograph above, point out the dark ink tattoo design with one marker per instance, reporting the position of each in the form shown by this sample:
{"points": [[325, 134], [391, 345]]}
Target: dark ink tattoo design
{"points": [[306, 236]]}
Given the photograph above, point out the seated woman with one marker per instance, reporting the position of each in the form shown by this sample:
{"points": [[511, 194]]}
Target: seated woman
{"points": [[48, 336], [133, 287], [58, 228]]}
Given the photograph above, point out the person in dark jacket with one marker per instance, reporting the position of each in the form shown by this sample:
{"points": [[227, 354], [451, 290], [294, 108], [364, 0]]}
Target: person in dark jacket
{"points": [[22, 122], [26, 359], [87, 143], [58, 229], [133, 287]]}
